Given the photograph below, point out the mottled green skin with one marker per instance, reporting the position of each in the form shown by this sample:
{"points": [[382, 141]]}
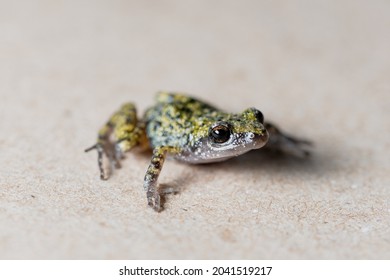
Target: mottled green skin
{"points": [[178, 120], [182, 126], [183, 123]]}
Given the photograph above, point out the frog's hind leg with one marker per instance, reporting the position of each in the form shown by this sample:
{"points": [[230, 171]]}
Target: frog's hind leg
{"points": [[122, 132], [285, 143]]}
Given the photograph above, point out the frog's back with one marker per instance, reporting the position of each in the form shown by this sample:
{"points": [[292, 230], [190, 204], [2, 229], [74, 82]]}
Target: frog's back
{"points": [[172, 120], [182, 100]]}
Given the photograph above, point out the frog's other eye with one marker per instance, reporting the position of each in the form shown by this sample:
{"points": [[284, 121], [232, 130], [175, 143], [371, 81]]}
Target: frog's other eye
{"points": [[220, 133], [259, 116]]}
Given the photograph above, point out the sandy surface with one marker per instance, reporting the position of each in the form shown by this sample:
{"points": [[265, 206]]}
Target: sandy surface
{"points": [[320, 70]]}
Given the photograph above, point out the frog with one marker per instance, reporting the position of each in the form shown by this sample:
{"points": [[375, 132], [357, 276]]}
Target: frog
{"points": [[189, 130]]}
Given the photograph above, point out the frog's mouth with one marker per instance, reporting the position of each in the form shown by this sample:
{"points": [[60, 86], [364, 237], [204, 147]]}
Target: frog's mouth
{"points": [[207, 151], [239, 144]]}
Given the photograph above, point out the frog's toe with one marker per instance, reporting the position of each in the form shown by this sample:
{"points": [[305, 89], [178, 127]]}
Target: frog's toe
{"points": [[154, 201], [108, 158], [290, 146], [299, 152], [296, 147], [101, 153], [114, 160], [285, 143]]}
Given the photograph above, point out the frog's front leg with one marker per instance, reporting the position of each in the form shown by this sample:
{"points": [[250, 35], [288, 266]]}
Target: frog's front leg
{"points": [[151, 176], [122, 132], [286, 143]]}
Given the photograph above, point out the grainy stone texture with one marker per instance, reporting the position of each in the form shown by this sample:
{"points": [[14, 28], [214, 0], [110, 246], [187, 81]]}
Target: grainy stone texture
{"points": [[320, 69]]}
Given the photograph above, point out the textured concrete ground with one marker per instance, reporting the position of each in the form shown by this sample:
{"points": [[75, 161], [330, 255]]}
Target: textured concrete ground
{"points": [[320, 69]]}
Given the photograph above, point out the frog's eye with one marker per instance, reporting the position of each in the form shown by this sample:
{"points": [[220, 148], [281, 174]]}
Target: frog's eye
{"points": [[220, 133], [259, 116]]}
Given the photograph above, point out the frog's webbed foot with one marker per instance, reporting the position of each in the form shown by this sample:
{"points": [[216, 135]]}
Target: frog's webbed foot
{"points": [[285, 143]]}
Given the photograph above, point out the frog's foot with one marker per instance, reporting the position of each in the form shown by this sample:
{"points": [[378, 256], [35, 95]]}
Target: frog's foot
{"points": [[154, 200], [121, 133], [156, 196], [111, 153], [287, 144]]}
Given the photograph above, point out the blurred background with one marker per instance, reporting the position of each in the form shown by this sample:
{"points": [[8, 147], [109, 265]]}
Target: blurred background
{"points": [[253, 52], [319, 68]]}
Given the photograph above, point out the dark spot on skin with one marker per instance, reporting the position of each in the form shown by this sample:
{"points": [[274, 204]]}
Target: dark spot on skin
{"points": [[129, 119], [157, 124], [157, 158], [157, 165], [186, 111]]}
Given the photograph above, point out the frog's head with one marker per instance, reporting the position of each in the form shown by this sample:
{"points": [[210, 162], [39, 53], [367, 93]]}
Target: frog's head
{"points": [[231, 136]]}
